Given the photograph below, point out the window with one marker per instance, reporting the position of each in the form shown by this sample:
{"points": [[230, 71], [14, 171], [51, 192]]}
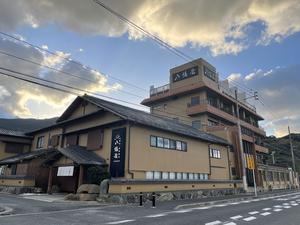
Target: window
{"points": [[178, 145], [172, 176], [212, 123], [178, 176], [40, 142], [210, 74], [205, 176], [172, 144], [11, 147], [184, 146], [196, 124], [157, 175], [201, 176], [191, 176], [95, 139], [153, 141], [149, 175], [233, 171], [14, 169], [195, 100], [160, 142], [184, 176], [214, 153], [196, 176], [165, 175], [166, 143]]}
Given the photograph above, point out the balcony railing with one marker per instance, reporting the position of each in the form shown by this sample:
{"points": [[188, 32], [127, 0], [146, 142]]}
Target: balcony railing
{"points": [[211, 103], [158, 90]]}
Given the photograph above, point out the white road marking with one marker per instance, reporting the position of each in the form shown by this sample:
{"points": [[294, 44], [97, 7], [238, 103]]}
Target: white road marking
{"points": [[234, 203], [204, 207], [265, 213], [183, 211], [236, 217], [230, 223], [249, 218], [220, 205], [294, 204], [214, 222], [287, 207], [156, 215], [277, 210], [278, 206], [266, 209], [253, 213], [285, 204], [256, 200], [121, 221], [245, 201]]}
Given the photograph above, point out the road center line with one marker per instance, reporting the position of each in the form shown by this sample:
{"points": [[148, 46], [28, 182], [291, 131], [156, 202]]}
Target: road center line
{"points": [[121, 221], [156, 215]]}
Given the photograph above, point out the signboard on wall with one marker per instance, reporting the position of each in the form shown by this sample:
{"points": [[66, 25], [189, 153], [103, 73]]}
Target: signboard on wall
{"points": [[185, 74], [117, 157], [65, 171]]}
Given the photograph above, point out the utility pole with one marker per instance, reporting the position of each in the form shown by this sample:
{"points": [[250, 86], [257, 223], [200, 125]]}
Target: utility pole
{"points": [[292, 150], [241, 143]]}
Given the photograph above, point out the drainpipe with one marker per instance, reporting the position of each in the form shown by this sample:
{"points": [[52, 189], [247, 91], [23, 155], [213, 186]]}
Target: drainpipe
{"points": [[228, 161], [128, 147], [209, 159]]}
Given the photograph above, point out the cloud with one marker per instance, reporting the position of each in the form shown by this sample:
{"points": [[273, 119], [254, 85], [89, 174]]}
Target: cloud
{"points": [[80, 49], [234, 76], [45, 47], [221, 26], [277, 89], [23, 99]]}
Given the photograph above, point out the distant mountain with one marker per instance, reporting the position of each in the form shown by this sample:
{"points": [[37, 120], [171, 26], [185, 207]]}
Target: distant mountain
{"points": [[282, 148], [26, 125]]}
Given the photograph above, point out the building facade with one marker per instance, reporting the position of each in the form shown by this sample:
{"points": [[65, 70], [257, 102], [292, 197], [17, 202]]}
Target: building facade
{"points": [[196, 96], [136, 150]]}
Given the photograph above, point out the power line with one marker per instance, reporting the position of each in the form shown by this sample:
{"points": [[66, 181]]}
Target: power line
{"points": [[150, 35], [70, 74], [77, 89], [88, 68], [63, 72]]}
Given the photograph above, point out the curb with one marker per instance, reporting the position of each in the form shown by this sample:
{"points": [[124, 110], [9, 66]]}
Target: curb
{"points": [[4, 210], [231, 200]]}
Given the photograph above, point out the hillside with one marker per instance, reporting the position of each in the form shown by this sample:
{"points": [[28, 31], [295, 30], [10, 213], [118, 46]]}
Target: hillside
{"points": [[282, 148], [25, 125]]}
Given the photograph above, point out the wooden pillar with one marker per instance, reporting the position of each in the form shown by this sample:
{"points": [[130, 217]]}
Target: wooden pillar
{"points": [[80, 178], [50, 178]]}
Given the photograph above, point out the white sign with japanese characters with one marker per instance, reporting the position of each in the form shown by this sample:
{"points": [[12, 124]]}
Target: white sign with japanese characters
{"points": [[65, 171]]}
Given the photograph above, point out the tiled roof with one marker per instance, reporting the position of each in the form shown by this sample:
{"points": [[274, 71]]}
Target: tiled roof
{"points": [[26, 156], [12, 133], [155, 121], [82, 156]]}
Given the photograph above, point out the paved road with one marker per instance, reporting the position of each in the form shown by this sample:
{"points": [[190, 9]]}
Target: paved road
{"points": [[278, 210]]}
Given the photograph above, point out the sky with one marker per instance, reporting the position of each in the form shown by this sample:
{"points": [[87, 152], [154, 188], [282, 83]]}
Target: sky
{"points": [[253, 43]]}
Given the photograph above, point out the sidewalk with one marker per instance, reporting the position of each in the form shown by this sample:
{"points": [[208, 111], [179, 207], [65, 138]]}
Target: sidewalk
{"points": [[233, 198], [206, 201]]}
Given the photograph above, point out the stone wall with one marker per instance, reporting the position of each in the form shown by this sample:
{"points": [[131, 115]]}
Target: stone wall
{"points": [[167, 196]]}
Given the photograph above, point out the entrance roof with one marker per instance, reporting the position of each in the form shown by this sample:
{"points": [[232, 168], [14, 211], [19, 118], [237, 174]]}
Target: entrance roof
{"points": [[82, 156]]}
